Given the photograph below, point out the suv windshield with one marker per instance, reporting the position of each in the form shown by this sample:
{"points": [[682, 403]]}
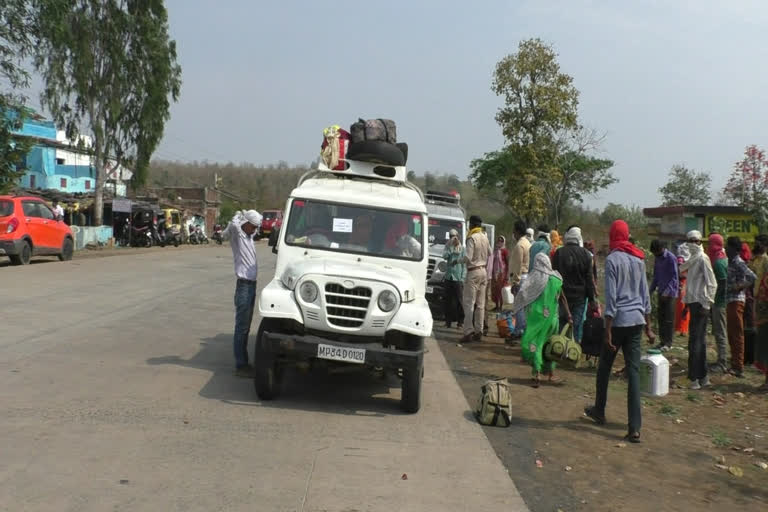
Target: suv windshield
{"points": [[355, 229], [6, 208], [440, 229]]}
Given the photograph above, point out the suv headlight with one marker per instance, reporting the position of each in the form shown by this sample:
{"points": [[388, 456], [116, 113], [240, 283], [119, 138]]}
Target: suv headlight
{"points": [[442, 266], [387, 301], [308, 291]]}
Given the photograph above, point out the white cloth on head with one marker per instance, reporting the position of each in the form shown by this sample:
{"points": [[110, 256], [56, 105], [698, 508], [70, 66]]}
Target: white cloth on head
{"points": [[529, 234], [694, 235], [243, 249], [543, 234], [573, 236], [701, 284], [252, 217], [535, 283], [684, 252]]}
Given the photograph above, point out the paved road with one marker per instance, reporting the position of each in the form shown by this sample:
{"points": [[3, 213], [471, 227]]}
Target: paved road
{"points": [[117, 393]]}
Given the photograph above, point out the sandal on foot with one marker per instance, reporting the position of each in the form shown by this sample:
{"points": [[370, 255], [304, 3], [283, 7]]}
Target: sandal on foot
{"points": [[633, 437], [591, 413]]}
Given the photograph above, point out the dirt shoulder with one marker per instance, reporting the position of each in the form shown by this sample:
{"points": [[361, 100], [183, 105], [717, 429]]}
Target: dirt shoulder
{"points": [[685, 436]]}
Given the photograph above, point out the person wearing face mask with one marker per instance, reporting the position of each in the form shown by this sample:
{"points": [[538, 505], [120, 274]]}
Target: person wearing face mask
{"points": [[719, 261], [454, 280], [701, 287], [740, 277]]}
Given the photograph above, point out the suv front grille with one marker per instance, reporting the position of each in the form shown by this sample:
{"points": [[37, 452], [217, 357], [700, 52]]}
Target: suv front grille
{"points": [[346, 307], [431, 268]]}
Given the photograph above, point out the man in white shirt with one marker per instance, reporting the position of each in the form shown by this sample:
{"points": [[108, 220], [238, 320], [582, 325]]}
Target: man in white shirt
{"points": [[58, 211], [240, 233]]}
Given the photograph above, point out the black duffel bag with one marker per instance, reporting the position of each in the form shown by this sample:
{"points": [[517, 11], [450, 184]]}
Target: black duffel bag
{"points": [[374, 129]]}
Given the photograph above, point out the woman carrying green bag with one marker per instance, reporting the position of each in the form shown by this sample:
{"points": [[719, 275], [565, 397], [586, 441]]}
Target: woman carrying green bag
{"points": [[539, 296]]}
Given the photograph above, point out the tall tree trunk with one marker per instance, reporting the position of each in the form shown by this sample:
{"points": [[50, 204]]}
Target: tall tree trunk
{"points": [[98, 202]]}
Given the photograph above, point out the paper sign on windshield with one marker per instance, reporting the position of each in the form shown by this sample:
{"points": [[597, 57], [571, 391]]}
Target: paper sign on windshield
{"points": [[342, 225]]}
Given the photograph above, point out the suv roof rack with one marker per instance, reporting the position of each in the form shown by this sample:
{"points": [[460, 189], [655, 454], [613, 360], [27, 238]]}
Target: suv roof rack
{"points": [[435, 197]]}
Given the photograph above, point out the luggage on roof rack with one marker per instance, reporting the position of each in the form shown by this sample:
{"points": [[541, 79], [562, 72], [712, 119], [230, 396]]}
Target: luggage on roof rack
{"points": [[442, 197]]}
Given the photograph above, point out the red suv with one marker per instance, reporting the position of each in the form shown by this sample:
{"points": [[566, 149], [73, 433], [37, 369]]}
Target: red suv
{"points": [[28, 227], [271, 221]]}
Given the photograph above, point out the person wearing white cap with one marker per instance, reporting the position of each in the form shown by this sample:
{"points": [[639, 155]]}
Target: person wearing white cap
{"points": [[529, 235], [700, 291], [240, 233]]}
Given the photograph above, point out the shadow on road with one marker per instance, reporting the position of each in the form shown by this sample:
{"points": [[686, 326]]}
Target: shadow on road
{"points": [[348, 391], [5, 262]]}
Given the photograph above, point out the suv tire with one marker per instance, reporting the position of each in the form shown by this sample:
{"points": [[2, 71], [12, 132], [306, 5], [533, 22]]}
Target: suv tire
{"points": [[24, 255], [267, 373], [410, 400], [66, 250]]}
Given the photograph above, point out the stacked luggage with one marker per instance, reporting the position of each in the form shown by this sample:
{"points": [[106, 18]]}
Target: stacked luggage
{"points": [[372, 140]]}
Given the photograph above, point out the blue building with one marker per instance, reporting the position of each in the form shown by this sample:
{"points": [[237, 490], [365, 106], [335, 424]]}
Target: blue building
{"points": [[54, 163]]}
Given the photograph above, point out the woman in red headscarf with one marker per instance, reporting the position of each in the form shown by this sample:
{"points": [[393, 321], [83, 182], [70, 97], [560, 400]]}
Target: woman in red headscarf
{"points": [[716, 252], [682, 318]]}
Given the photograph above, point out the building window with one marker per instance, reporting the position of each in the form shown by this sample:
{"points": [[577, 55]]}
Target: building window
{"points": [[32, 180], [63, 183], [87, 184], [60, 161]]}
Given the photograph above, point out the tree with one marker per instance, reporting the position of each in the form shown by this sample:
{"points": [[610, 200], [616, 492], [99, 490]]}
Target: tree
{"points": [[507, 177], [109, 70], [632, 215], [539, 100], [547, 161], [16, 31], [686, 187], [748, 185], [576, 173]]}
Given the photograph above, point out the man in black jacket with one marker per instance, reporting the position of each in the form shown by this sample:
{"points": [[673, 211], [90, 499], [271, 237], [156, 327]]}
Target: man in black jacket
{"points": [[574, 263]]}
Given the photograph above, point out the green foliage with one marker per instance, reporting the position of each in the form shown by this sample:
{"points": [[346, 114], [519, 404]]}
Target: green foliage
{"points": [[12, 149], [539, 100], [669, 410], [109, 68], [16, 31], [546, 163], [686, 187], [632, 215], [720, 438], [510, 178], [576, 175]]}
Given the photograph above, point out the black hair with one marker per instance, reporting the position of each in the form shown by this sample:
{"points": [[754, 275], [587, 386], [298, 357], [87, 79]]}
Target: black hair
{"points": [[657, 245], [734, 243], [520, 227], [543, 228], [761, 244]]}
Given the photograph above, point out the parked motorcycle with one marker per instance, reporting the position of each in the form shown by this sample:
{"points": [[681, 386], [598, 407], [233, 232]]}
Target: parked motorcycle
{"points": [[141, 237], [217, 234]]}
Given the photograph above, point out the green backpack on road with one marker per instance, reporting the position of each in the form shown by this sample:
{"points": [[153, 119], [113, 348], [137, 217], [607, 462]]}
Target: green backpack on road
{"points": [[495, 405]]}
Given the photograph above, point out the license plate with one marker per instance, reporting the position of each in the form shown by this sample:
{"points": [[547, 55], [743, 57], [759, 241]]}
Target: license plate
{"points": [[430, 289], [347, 355]]}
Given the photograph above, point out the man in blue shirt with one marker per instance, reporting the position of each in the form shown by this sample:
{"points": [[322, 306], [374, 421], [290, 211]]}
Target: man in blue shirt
{"points": [[627, 312], [665, 280]]}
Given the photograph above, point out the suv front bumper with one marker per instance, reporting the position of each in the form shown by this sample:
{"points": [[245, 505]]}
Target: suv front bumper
{"points": [[304, 347]]}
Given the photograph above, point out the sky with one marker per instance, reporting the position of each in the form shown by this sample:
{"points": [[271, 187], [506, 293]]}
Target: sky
{"points": [[669, 82]]}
